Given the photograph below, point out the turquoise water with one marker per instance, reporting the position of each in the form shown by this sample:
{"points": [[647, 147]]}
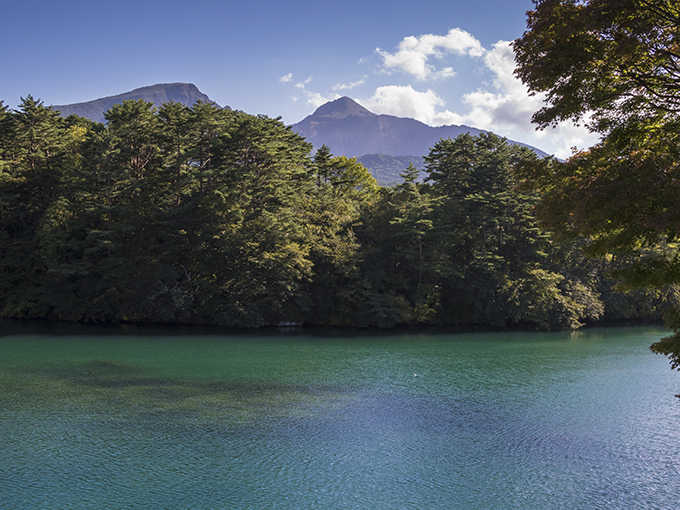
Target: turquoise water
{"points": [[113, 418]]}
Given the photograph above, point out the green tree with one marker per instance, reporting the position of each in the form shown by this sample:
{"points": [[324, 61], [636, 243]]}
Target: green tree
{"points": [[181, 215], [615, 60], [322, 164], [504, 272], [345, 176], [414, 224], [253, 243], [99, 238], [343, 190], [614, 66], [33, 148], [176, 145]]}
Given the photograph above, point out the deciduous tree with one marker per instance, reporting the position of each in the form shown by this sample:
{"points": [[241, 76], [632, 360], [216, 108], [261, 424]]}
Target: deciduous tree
{"points": [[614, 65]]}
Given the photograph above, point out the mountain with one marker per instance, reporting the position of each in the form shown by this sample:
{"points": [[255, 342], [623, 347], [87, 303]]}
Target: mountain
{"points": [[385, 144], [185, 93], [351, 130]]}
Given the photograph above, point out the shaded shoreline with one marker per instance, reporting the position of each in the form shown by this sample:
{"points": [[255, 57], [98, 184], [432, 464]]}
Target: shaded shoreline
{"points": [[9, 327]]}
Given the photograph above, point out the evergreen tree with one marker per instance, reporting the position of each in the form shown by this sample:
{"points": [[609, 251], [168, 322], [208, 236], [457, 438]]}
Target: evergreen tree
{"points": [[344, 189], [415, 252], [33, 148], [205, 215], [253, 240], [500, 251]]}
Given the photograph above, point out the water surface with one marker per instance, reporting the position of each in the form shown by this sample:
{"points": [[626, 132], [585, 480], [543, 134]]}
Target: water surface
{"points": [[109, 418]]}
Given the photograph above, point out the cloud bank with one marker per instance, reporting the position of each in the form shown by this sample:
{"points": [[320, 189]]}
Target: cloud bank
{"points": [[503, 106], [405, 101]]}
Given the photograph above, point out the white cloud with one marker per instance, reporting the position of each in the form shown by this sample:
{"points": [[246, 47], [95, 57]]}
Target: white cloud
{"points": [[413, 55], [301, 85], [351, 85], [404, 101], [287, 78], [502, 104], [316, 99], [509, 105], [508, 108], [312, 98]]}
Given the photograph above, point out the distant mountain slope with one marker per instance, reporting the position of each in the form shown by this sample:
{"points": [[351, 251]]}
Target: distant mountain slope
{"points": [[351, 130], [386, 168], [185, 93]]}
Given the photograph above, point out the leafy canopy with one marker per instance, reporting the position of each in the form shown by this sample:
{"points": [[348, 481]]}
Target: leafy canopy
{"points": [[618, 60], [616, 66]]}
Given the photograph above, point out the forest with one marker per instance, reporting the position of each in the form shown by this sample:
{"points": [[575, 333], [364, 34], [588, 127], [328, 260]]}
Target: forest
{"points": [[203, 215]]}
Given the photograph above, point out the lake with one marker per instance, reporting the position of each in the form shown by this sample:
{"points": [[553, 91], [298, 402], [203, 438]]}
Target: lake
{"points": [[114, 417]]}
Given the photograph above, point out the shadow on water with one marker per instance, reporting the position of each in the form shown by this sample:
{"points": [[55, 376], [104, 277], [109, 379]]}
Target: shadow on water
{"points": [[104, 391]]}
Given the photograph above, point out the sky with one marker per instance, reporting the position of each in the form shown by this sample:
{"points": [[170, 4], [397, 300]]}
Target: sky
{"points": [[439, 61]]}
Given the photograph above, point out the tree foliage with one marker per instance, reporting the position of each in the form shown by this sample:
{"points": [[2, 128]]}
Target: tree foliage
{"points": [[506, 274], [209, 216], [617, 60], [614, 65]]}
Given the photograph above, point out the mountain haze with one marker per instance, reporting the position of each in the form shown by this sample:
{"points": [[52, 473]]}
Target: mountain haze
{"points": [[185, 93]]}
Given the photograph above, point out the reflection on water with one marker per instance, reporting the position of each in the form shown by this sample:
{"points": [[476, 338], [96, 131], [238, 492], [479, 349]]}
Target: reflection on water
{"points": [[493, 421]]}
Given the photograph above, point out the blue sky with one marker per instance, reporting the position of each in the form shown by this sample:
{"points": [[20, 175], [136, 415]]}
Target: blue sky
{"points": [[442, 62]]}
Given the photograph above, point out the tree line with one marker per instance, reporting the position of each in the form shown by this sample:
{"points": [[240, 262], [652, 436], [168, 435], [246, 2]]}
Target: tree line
{"points": [[203, 215]]}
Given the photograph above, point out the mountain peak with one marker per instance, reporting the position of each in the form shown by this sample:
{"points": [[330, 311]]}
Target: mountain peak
{"points": [[185, 93], [351, 130], [341, 108]]}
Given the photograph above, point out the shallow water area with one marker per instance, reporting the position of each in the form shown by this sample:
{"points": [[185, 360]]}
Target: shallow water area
{"points": [[134, 418]]}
